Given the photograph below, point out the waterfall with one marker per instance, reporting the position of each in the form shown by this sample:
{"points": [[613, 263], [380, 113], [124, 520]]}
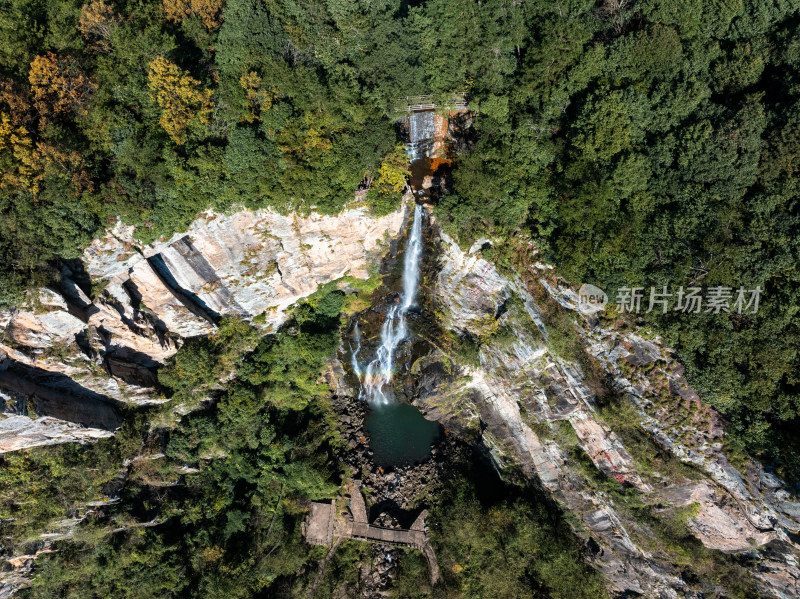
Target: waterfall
{"points": [[378, 372], [354, 352], [411, 262], [421, 131]]}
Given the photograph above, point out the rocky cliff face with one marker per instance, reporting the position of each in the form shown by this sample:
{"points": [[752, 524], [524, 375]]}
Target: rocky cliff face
{"points": [[77, 352], [532, 404]]}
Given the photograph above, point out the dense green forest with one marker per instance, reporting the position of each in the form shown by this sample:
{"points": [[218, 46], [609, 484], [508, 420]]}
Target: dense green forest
{"points": [[213, 530], [154, 112], [641, 143], [647, 144]]}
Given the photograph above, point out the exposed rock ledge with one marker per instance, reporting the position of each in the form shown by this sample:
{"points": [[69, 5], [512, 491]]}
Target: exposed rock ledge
{"points": [[148, 298], [532, 407]]}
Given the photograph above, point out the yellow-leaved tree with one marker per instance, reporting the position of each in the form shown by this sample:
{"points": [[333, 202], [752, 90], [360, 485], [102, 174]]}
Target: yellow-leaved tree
{"points": [[207, 11], [59, 86], [97, 23], [386, 189], [20, 161], [258, 98], [184, 103], [393, 172], [23, 161]]}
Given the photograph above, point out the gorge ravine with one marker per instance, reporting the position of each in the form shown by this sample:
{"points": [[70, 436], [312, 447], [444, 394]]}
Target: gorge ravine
{"points": [[398, 433]]}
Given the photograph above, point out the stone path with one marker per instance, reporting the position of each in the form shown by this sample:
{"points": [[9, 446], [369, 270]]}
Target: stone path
{"points": [[322, 526], [357, 506]]}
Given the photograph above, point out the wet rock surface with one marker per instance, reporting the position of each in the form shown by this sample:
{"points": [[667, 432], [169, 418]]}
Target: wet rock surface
{"points": [[396, 496], [375, 576], [398, 493]]}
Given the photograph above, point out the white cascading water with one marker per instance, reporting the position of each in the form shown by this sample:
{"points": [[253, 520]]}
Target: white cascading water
{"points": [[378, 373], [421, 130], [354, 352]]}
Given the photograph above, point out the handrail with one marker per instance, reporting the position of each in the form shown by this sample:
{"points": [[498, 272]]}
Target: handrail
{"points": [[411, 103]]}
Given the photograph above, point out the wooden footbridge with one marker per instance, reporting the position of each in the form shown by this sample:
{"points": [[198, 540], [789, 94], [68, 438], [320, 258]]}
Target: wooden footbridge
{"points": [[323, 525], [457, 101]]}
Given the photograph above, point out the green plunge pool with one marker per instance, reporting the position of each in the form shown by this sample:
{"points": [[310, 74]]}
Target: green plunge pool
{"points": [[399, 434]]}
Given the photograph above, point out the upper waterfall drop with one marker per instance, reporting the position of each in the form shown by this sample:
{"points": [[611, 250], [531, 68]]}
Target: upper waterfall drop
{"points": [[421, 131], [379, 371], [411, 262]]}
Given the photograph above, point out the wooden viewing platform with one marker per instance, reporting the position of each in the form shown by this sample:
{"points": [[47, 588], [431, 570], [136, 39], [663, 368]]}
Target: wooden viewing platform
{"points": [[322, 526]]}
